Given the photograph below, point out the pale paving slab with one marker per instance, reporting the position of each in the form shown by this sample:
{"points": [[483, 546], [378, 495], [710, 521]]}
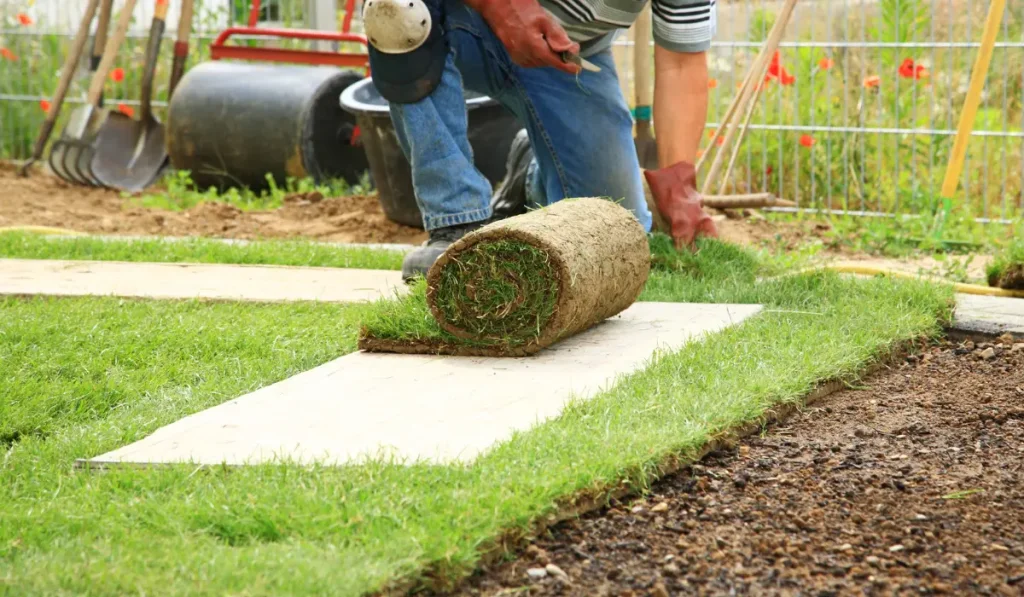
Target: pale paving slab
{"points": [[432, 408], [190, 281], [989, 314]]}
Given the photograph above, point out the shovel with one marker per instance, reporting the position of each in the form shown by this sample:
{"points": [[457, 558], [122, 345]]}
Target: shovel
{"points": [[98, 45], [74, 149], [66, 74], [646, 148], [131, 153]]}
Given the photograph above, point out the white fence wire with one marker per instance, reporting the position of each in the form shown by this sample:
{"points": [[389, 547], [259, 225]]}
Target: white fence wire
{"points": [[858, 115]]}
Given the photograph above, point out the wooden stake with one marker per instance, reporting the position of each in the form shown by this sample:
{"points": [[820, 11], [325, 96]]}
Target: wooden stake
{"points": [[973, 99]]}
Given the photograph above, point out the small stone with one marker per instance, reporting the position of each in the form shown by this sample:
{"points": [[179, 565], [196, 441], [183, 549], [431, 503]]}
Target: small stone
{"points": [[660, 507], [1006, 338], [538, 555], [1018, 347], [921, 517], [670, 570], [845, 547], [537, 573], [740, 480], [873, 560], [896, 548], [659, 590], [998, 547], [637, 509], [988, 353], [556, 572]]}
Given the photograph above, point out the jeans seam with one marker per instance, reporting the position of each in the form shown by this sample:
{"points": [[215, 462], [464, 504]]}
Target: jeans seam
{"points": [[464, 217], [543, 133]]}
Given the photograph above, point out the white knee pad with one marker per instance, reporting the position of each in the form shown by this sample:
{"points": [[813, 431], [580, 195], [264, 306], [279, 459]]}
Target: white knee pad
{"points": [[396, 26]]}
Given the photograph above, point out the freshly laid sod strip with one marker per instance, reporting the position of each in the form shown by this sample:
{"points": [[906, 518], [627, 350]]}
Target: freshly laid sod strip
{"points": [[519, 285], [272, 530], [25, 245], [1007, 269]]}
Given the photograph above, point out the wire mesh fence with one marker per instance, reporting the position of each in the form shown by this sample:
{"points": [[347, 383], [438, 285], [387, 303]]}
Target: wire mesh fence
{"points": [[858, 113]]}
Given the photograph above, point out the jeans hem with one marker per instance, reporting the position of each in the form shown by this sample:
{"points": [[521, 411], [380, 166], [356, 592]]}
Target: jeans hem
{"points": [[457, 219]]}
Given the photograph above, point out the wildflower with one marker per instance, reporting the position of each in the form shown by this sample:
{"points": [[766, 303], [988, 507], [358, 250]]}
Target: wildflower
{"points": [[712, 83], [720, 141], [786, 78], [768, 171], [45, 105], [6, 54], [826, 63], [807, 140], [775, 67], [920, 72], [117, 75], [126, 110], [872, 81], [906, 69], [24, 19]]}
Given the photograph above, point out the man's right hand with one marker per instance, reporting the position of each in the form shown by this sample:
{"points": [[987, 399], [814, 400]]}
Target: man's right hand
{"points": [[531, 36]]}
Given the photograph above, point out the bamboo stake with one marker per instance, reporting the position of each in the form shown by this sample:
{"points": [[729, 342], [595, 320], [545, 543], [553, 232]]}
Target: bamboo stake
{"points": [[970, 110], [769, 49]]}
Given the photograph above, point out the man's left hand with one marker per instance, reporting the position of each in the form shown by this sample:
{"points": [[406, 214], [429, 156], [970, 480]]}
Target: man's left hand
{"points": [[675, 194]]}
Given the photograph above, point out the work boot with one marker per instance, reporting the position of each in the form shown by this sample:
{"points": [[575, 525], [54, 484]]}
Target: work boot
{"points": [[418, 261], [510, 197]]}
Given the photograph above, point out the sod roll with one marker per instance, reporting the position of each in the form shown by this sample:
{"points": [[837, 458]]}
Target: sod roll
{"points": [[524, 283]]}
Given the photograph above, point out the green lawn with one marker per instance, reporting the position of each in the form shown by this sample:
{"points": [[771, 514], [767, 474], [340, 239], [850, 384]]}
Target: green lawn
{"points": [[84, 376], [24, 245]]}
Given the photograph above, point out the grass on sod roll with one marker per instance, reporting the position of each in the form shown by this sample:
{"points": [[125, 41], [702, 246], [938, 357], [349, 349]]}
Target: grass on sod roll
{"points": [[288, 529], [23, 245]]}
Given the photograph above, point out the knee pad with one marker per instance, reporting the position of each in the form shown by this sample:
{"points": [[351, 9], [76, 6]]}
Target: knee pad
{"points": [[407, 47]]}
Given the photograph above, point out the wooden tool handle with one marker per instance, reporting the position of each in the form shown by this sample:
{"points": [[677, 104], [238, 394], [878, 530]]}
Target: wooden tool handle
{"points": [[156, 34], [67, 73], [110, 53], [642, 60], [181, 45], [102, 30]]}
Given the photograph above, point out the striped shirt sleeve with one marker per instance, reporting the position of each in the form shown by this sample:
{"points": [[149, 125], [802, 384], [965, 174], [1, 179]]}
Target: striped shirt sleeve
{"points": [[684, 25]]}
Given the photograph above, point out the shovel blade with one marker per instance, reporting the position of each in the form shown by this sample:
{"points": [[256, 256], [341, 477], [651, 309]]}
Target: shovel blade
{"points": [[129, 154]]}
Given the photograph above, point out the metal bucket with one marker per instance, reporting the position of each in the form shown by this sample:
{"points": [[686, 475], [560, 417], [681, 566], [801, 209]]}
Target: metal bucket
{"points": [[491, 131], [233, 123]]}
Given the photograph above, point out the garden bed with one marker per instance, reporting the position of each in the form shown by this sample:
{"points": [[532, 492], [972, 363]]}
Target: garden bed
{"points": [[910, 483]]}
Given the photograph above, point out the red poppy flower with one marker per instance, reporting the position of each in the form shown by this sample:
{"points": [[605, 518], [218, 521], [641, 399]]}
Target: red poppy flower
{"points": [[712, 83], [719, 140], [786, 78], [872, 81], [826, 63], [775, 68], [126, 110], [117, 75], [906, 69], [8, 55], [807, 140], [24, 19], [45, 105], [768, 171], [920, 72]]}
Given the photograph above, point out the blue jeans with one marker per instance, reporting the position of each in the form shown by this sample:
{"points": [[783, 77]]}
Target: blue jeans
{"points": [[580, 129]]}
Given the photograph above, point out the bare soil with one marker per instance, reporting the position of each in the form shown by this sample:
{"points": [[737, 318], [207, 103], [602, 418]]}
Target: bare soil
{"points": [[44, 200], [911, 485]]}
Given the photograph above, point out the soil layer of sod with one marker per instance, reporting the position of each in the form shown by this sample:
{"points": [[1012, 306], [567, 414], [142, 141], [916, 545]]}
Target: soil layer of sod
{"points": [[519, 285], [909, 484]]}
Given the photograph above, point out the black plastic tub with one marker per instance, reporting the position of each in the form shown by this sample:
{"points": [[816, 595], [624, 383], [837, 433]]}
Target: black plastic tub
{"points": [[491, 130], [233, 123]]}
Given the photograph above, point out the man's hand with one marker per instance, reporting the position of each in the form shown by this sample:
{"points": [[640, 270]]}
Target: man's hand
{"points": [[674, 190], [532, 37]]}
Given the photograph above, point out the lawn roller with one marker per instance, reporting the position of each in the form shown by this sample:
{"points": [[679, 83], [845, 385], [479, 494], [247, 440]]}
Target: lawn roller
{"points": [[237, 121]]}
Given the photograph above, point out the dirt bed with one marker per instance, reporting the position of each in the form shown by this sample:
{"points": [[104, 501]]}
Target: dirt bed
{"points": [[44, 200], [913, 484]]}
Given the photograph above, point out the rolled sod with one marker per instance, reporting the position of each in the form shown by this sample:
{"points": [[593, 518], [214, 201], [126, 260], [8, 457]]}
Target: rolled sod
{"points": [[521, 284]]}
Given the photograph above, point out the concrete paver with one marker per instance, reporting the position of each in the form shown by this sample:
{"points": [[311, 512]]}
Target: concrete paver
{"points": [[433, 408], [195, 281], [989, 314]]}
